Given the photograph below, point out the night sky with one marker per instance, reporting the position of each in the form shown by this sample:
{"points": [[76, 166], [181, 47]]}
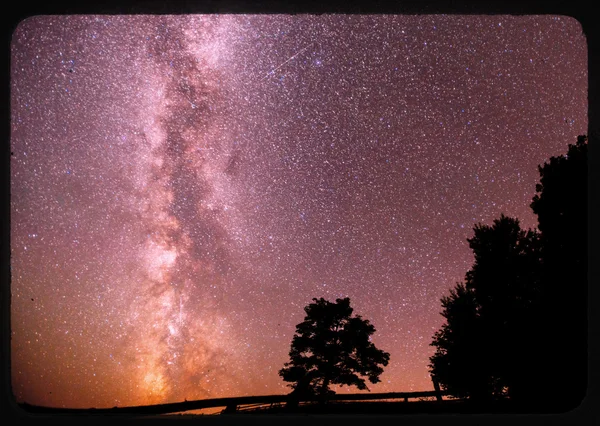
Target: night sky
{"points": [[182, 186]]}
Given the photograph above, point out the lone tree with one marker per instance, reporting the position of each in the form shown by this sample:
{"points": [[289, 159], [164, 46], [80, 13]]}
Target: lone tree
{"points": [[331, 347]]}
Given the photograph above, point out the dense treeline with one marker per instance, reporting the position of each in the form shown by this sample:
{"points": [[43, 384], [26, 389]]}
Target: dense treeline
{"points": [[517, 326]]}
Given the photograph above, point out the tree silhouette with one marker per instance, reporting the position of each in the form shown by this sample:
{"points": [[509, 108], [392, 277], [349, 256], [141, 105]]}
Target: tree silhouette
{"points": [[331, 347], [505, 280], [561, 207], [459, 363], [518, 324], [487, 321]]}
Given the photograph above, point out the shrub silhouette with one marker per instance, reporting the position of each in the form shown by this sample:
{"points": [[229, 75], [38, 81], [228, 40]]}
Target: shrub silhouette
{"points": [[331, 347]]}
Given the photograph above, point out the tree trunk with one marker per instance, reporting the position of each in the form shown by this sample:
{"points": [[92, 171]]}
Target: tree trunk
{"points": [[324, 390], [436, 386]]}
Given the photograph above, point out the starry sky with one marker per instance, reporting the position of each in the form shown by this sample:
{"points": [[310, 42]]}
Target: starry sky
{"points": [[182, 186]]}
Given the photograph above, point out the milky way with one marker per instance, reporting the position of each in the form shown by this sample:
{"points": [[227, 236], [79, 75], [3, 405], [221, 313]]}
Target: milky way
{"points": [[182, 186]]}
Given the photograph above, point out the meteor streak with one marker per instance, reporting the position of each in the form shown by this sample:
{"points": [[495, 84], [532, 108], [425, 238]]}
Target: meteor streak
{"points": [[292, 57]]}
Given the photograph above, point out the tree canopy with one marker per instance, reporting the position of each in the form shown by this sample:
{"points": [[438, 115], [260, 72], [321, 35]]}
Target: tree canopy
{"points": [[332, 347]]}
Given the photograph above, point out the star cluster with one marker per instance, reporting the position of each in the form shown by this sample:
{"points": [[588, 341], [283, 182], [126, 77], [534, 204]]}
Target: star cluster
{"points": [[182, 186]]}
